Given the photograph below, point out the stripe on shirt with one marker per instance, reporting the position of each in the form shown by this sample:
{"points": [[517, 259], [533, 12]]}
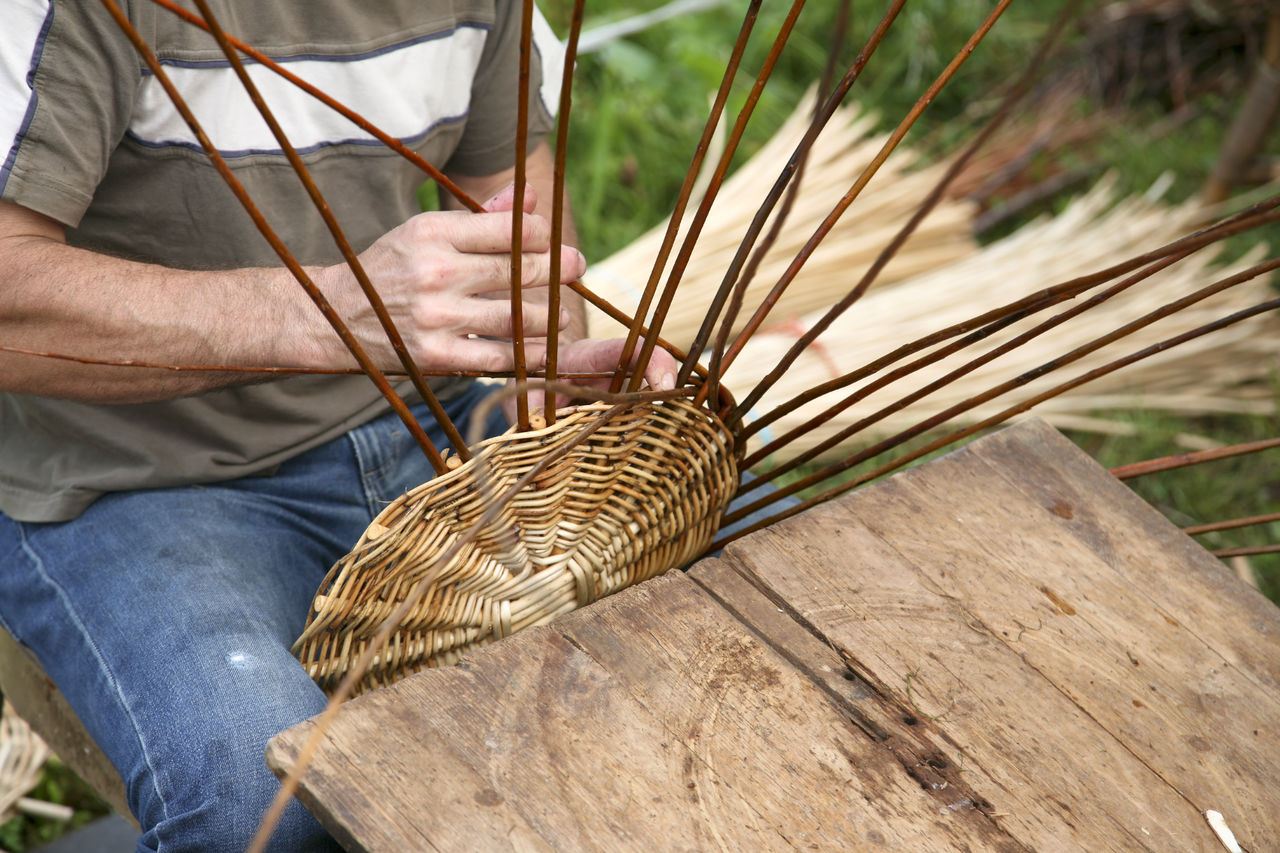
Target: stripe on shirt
{"points": [[383, 87], [21, 44]]}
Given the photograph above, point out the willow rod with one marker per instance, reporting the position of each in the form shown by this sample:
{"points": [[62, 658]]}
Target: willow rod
{"points": [[682, 201], [268, 369], [779, 187], [1182, 460], [517, 213], [557, 203], [713, 188], [958, 435], [761, 249], [286, 257], [348, 113], [762, 312], [1232, 524], [1252, 217], [339, 237], [1020, 380], [1248, 551], [953, 375], [1014, 96]]}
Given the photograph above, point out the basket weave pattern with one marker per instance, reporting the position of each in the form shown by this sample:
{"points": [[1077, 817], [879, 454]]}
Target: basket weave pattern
{"points": [[644, 493]]}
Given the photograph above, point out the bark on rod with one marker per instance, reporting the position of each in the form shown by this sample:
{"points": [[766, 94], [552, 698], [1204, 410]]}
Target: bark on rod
{"points": [[557, 204], [1182, 460], [761, 249], [951, 376], [517, 211]]}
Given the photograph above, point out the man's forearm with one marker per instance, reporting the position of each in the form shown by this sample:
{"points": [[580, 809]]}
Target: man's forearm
{"points": [[60, 299]]}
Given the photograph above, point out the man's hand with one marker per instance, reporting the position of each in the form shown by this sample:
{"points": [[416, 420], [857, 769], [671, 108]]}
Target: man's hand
{"points": [[445, 279], [598, 356]]}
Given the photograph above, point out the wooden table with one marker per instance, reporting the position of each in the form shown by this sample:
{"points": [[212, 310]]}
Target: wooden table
{"points": [[1004, 649]]}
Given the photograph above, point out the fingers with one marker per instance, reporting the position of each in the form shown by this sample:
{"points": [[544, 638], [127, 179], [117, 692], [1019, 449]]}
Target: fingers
{"points": [[491, 318], [493, 272], [601, 356], [489, 356], [660, 372], [505, 200]]}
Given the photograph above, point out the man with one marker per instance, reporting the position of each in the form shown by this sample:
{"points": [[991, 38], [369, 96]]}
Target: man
{"points": [[163, 532]]}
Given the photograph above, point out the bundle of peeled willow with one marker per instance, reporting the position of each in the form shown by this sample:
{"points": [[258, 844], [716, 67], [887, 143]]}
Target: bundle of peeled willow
{"points": [[1224, 372], [843, 150]]}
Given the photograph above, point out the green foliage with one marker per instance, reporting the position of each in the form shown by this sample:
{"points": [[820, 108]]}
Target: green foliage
{"points": [[57, 785]]}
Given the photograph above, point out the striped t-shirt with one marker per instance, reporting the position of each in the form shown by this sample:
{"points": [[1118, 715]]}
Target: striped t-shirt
{"points": [[89, 138]]}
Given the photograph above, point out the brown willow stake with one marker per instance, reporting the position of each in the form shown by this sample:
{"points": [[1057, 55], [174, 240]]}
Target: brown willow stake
{"points": [[557, 203], [682, 201], [789, 174], [339, 238], [859, 184], [1182, 460], [366, 364], [713, 189], [517, 212], [959, 435], [1233, 524], [931, 201], [761, 249], [348, 113], [941, 382], [267, 369], [1248, 219], [1250, 551], [1024, 378]]}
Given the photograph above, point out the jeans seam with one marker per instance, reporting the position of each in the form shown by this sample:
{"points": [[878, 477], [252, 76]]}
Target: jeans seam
{"points": [[78, 624], [362, 463]]}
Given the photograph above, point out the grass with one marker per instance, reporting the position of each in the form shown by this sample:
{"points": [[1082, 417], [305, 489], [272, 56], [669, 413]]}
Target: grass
{"points": [[639, 108]]}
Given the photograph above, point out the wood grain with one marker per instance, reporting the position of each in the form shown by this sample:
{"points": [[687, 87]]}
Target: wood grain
{"points": [[1001, 650]]}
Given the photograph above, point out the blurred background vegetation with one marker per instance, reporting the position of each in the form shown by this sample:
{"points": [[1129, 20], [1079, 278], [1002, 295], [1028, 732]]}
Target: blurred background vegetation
{"points": [[1143, 88]]}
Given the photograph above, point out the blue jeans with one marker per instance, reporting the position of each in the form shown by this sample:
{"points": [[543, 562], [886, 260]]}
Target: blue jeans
{"points": [[166, 616]]}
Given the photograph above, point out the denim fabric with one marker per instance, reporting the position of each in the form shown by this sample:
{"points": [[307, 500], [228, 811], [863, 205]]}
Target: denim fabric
{"points": [[166, 617]]}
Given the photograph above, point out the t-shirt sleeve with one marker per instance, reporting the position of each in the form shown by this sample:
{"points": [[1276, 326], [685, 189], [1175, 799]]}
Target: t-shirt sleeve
{"points": [[68, 79], [488, 142]]}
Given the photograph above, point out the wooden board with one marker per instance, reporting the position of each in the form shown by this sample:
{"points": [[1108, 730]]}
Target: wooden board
{"points": [[1004, 649]]}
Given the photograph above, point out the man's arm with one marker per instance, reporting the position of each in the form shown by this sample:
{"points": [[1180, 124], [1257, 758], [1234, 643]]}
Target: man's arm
{"points": [[432, 272]]}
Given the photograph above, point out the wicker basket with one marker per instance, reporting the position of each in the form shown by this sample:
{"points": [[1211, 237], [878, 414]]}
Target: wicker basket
{"points": [[641, 494]]}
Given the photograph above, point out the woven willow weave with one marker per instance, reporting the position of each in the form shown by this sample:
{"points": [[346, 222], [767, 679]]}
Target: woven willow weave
{"points": [[643, 493]]}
